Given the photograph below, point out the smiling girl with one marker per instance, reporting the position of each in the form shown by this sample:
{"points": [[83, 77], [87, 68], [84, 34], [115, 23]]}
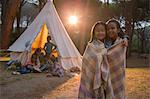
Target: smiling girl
{"points": [[95, 80]]}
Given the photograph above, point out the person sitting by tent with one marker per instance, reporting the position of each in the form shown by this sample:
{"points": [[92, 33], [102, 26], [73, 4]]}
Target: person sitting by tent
{"points": [[40, 61], [55, 68], [37, 64], [35, 60], [49, 46], [45, 65]]}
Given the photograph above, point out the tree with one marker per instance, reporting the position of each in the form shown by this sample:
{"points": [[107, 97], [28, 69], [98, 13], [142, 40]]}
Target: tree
{"points": [[3, 3], [19, 16], [11, 7], [42, 3], [133, 11]]}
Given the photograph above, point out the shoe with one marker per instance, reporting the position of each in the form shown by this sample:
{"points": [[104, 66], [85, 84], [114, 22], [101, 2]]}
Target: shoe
{"points": [[16, 73]]}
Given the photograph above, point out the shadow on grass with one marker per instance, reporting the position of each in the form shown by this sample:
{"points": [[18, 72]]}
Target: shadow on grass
{"points": [[27, 86]]}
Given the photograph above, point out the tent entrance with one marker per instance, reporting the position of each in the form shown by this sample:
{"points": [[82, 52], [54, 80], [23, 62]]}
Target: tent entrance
{"points": [[41, 39]]}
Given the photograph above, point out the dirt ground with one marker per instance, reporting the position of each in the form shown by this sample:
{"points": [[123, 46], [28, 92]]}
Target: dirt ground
{"points": [[138, 61], [38, 86]]}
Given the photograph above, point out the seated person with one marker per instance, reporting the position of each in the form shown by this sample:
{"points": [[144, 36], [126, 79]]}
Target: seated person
{"points": [[35, 59], [34, 65], [55, 68], [44, 62]]}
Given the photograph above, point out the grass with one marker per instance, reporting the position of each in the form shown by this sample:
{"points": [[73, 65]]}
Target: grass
{"points": [[138, 83]]}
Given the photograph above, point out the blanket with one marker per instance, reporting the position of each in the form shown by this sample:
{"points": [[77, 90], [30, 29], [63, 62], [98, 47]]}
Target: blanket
{"points": [[117, 61], [95, 78]]}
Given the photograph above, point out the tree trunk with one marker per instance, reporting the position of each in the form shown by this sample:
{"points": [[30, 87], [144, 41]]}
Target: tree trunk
{"points": [[128, 23], [19, 16], [7, 26], [142, 40], [128, 30], [18, 20], [107, 2], [42, 3], [3, 3]]}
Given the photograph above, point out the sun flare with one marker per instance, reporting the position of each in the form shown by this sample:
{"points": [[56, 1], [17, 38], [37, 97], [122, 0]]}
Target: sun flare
{"points": [[73, 20]]}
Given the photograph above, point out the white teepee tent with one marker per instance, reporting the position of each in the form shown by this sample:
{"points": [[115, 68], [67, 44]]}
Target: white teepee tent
{"points": [[49, 21]]}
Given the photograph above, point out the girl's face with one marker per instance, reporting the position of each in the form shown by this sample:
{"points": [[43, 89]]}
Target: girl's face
{"points": [[112, 30], [100, 32]]}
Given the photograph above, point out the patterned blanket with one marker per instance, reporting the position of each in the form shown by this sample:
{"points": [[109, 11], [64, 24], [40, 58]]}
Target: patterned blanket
{"points": [[95, 80], [103, 73], [117, 62]]}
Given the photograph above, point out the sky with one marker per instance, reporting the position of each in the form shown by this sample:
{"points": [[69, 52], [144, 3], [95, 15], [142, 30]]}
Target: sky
{"points": [[104, 0]]}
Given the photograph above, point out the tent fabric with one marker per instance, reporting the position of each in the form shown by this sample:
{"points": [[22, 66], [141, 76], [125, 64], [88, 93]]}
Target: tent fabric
{"points": [[48, 18], [41, 39]]}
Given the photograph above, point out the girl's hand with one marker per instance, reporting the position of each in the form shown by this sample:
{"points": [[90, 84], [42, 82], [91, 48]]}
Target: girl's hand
{"points": [[125, 42]]}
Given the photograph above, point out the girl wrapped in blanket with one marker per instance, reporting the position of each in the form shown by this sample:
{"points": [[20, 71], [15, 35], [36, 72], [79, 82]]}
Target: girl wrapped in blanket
{"points": [[95, 78], [116, 57]]}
